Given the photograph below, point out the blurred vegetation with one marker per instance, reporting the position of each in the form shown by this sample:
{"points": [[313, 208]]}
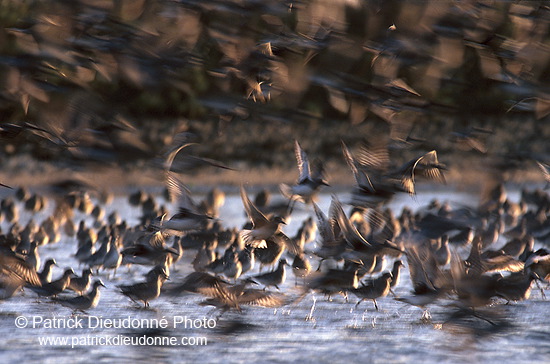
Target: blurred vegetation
{"points": [[113, 81]]}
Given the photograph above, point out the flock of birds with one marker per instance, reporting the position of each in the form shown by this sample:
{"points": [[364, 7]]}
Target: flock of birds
{"points": [[452, 253]]}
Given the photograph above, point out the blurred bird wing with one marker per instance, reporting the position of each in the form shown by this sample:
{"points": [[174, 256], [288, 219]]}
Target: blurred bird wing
{"points": [[545, 168], [303, 162], [458, 270], [477, 266], [202, 283], [476, 144], [176, 188], [323, 225], [374, 156], [405, 175], [157, 240], [171, 154], [431, 168], [349, 230], [255, 297], [361, 177], [257, 217], [504, 263], [427, 165], [417, 269], [291, 244], [17, 267]]}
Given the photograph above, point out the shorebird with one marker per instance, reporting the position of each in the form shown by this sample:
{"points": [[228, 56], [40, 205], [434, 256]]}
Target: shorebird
{"points": [[376, 288], [263, 227], [332, 281], [213, 202], [83, 302], [82, 283], [55, 287], [239, 295], [442, 252], [33, 258], [247, 259], [308, 230], [490, 261], [219, 291], [300, 267], [377, 183], [85, 251], [201, 283], [10, 210], [275, 278], [539, 262], [274, 248], [395, 274], [358, 248], [188, 217], [46, 274], [15, 272], [332, 245], [471, 139], [310, 180], [516, 286], [429, 282], [472, 287], [519, 246], [113, 258], [145, 291], [364, 193], [232, 267], [96, 259], [149, 249], [12, 262]]}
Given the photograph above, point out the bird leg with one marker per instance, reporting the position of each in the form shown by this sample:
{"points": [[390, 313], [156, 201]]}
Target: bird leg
{"points": [[320, 262], [541, 290]]}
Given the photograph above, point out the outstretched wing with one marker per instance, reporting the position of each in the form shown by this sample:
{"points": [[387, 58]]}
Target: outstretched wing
{"points": [[302, 161], [255, 215]]}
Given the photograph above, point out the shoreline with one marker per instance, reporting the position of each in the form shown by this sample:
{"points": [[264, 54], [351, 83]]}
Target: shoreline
{"points": [[40, 175]]}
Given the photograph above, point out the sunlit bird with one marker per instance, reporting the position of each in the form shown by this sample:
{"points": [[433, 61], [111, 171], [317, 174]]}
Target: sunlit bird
{"points": [[84, 302]]}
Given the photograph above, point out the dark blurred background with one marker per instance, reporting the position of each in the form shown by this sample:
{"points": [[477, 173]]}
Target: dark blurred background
{"points": [[101, 82]]}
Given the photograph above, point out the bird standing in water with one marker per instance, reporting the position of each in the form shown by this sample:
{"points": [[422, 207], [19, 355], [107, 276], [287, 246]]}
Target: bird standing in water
{"points": [[84, 302], [379, 287], [275, 278], [145, 291]]}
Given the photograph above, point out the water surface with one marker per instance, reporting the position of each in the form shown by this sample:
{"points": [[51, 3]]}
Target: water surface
{"points": [[313, 330]]}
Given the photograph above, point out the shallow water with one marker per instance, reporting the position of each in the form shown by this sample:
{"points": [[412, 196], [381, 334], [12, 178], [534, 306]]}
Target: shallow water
{"points": [[313, 330]]}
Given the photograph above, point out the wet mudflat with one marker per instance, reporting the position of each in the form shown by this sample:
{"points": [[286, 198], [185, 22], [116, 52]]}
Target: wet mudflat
{"points": [[314, 329]]}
